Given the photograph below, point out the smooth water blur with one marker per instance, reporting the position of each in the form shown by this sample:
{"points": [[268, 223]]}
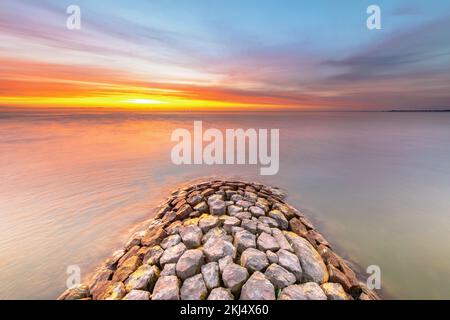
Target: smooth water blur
{"points": [[74, 186]]}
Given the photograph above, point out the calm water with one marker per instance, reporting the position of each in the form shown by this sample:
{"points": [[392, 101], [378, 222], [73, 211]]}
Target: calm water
{"points": [[73, 186]]}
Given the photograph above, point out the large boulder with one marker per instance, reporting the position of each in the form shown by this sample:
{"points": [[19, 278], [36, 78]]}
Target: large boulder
{"points": [[279, 276], [127, 268], [334, 291], [207, 222], [313, 267], [137, 295], [75, 293], [172, 254], [306, 291], [215, 249], [267, 242], [191, 236], [279, 218], [211, 276], [257, 211], [244, 240], [153, 255], [189, 263], [234, 276], [258, 288], [144, 278], [167, 288], [290, 262], [220, 294], [281, 240], [170, 241], [231, 222], [254, 260], [217, 207], [194, 288]]}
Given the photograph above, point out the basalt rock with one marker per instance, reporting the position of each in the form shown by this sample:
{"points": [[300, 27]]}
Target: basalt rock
{"points": [[225, 240]]}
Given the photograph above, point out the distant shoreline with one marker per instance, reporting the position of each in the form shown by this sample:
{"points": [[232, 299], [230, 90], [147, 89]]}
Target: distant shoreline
{"points": [[7, 109]]}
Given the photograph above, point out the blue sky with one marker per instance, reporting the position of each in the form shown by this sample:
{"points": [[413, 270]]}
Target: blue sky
{"points": [[306, 54]]}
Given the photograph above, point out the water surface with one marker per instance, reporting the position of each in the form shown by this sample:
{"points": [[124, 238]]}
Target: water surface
{"points": [[75, 184]]}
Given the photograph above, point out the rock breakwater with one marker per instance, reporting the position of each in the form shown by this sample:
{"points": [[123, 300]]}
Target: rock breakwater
{"points": [[225, 240]]}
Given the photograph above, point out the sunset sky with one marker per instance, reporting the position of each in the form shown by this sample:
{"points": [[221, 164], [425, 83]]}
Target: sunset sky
{"points": [[200, 54]]}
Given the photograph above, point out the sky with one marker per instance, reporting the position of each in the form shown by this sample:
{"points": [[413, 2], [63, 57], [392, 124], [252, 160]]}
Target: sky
{"points": [[225, 54]]}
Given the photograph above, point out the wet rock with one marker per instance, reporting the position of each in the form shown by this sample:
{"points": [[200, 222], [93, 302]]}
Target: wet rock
{"points": [[290, 262], [194, 288], [254, 260], [267, 242], [334, 291], [127, 268], [208, 222], [210, 273], [234, 276], [328, 256], [189, 263], [312, 264], [221, 294], [170, 241], [215, 249], [137, 295], [153, 255], [114, 259], [76, 293], [258, 288], [153, 237], [174, 227], [287, 211], [116, 291], [207, 192], [172, 254], [135, 239], [184, 212], [191, 236], [335, 275], [144, 278], [167, 288], [244, 240]]}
